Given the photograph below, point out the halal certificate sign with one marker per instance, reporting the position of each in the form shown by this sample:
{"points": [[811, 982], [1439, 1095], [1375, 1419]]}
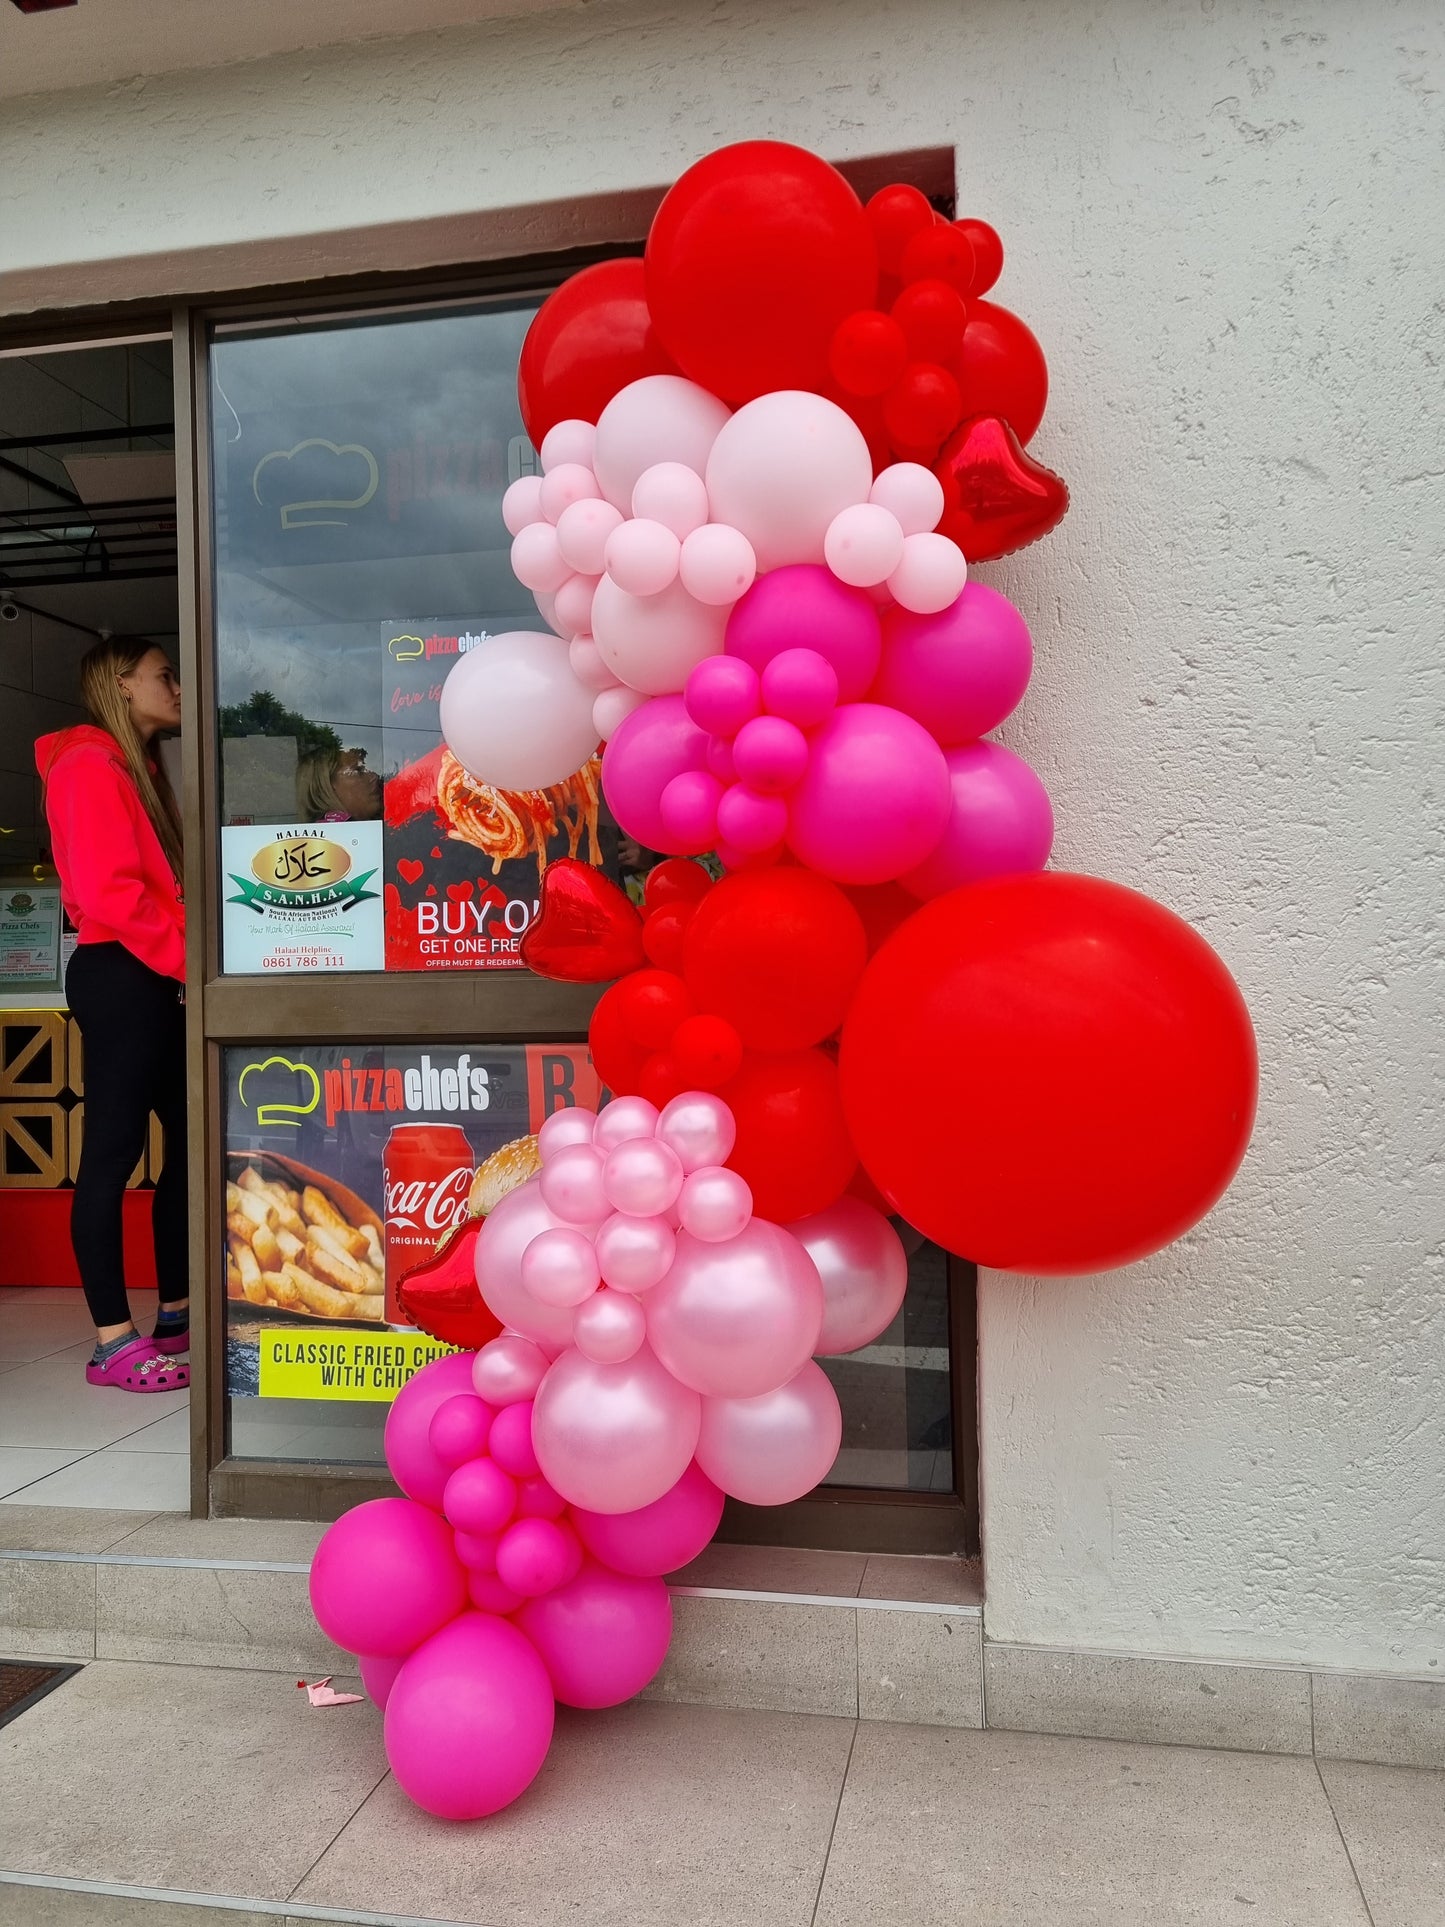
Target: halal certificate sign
{"points": [[301, 897]]}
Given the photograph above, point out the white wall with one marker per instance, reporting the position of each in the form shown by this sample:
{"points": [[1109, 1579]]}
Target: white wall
{"points": [[1224, 222]]}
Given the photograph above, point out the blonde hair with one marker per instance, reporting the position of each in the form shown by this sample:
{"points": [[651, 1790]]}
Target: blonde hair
{"points": [[316, 797], [100, 671]]}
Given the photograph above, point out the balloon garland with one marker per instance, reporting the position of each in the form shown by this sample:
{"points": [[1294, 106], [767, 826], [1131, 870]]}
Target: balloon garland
{"points": [[769, 452]]}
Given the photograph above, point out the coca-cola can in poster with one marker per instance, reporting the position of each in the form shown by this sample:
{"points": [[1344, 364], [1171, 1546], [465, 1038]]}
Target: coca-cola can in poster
{"points": [[345, 1168]]}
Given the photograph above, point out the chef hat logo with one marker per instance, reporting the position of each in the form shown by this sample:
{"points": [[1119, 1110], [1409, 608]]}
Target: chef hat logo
{"points": [[279, 1090], [316, 483]]}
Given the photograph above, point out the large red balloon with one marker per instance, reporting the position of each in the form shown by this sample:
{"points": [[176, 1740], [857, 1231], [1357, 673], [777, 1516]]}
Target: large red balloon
{"points": [[792, 1144], [588, 339], [755, 255], [777, 952], [1001, 369], [1048, 1073]]}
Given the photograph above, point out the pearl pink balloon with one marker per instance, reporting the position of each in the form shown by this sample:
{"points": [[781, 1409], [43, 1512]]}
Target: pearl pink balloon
{"points": [[587, 664], [774, 1449], [672, 494], [659, 1537], [567, 441], [930, 576], [564, 485], [537, 561], [508, 1370], [643, 557], [958, 672], [610, 1327], [912, 494], [622, 1120], [642, 1177], [514, 715], [614, 1437], [736, 1318], [718, 564], [409, 1454], [634, 1253], [459, 1429], [385, 1576], [538, 1555], [505, 1235], [653, 642], [699, 1127], [714, 1204], [560, 1267], [601, 1637], [655, 743], [864, 544], [661, 418], [1001, 822], [571, 1181], [782, 468], [479, 1497], [875, 798], [572, 606], [573, 1124], [612, 707], [522, 504], [864, 1270]]}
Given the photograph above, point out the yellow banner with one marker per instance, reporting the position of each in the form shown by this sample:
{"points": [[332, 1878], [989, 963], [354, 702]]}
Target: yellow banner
{"points": [[342, 1364]]}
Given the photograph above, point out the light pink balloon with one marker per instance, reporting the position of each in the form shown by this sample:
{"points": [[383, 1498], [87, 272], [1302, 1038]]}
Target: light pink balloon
{"points": [[537, 561], [522, 504], [699, 1127], [572, 606], [569, 482], [509, 1369], [614, 1437], [587, 665], [573, 1124], [546, 608], [642, 1177], [634, 1253], [559, 1267], [582, 532], [643, 557], [864, 1270], [623, 1119], [718, 564], [714, 1204], [774, 1449], [782, 468], [912, 494], [673, 494], [864, 544], [609, 1327], [612, 707], [737, 1318], [654, 642], [505, 1234], [514, 715], [568, 441], [571, 1181], [931, 574], [661, 418]]}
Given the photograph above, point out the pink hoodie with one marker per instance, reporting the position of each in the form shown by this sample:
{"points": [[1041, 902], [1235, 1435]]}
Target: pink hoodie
{"points": [[115, 882]]}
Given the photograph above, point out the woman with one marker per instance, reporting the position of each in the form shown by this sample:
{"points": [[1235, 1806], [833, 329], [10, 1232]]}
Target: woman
{"points": [[116, 835], [335, 786]]}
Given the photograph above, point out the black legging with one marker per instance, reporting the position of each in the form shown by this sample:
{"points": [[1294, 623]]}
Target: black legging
{"points": [[133, 1027]]}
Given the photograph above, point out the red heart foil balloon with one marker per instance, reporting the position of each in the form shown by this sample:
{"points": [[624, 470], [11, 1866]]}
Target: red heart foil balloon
{"points": [[587, 930], [997, 498], [440, 1295]]}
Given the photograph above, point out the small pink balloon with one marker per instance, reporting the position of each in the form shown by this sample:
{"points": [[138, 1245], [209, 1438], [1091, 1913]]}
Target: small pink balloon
{"points": [[583, 531], [601, 1637], [737, 1318], [573, 1124], [1001, 822], [958, 672], [538, 1555], [750, 821], [614, 1437], [801, 687], [522, 504], [643, 557], [930, 576], [612, 708], [770, 754], [508, 1370], [567, 441], [659, 418], [659, 1537], [718, 564], [565, 484], [477, 1550], [689, 811], [722, 694], [587, 664], [642, 1177], [634, 1253], [505, 1235], [622, 1120], [489, 1594], [537, 562], [547, 610], [912, 494], [378, 1677], [875, 798], [459, 1429], [864, 544], [560, 1267], [538, 1500], [572, 1185], [609, 1327], [773, 1449], [511, 1442], [807, 607], [673, 494], [414, 1465], [720, 761], [479, 1496], [864, 1269], [714, 1204], [572, 606], [700, 1128], [385, 1577], [654, 744], [732, 858]]}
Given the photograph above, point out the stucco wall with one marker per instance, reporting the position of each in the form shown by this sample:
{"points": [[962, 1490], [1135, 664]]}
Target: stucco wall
{"points": [[1223, 221]]}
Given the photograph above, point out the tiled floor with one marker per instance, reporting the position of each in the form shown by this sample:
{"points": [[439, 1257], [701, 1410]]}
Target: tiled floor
{"points": [[686, 1814], [63, 1442]]}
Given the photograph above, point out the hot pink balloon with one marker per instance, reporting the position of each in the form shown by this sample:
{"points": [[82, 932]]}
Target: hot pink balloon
{"points": [[782, 468], [864, 1270], [718, 564], [770, 754], [378, 1676], [559, 1267], [505, 1235], [723, 694], [653, 642], [699, 1127], [414, 1464], [479, 1496], [506, 1371], [875, 799], [511, 1443], [477, 1550], [661, 418], [571, 1185], [385, 1577], [654, 744], [642, 1178], [634, 1253], [959, 672], [688, 807], [459, 1429], [801, 687], [736, 1318], [806, 607], [537, 1555], [489, 1594], [750, 822], [614, 1437], [714, 1204], [538, 1500], [1000, 823], [610, 1327], [659, 1537], [601, 1637], [774, 1449]]}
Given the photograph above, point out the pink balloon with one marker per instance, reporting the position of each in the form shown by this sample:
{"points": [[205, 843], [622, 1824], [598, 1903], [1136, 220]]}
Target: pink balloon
{"points": [[378, 1676], [538, 1500], [559, 1267], [673, 494], [808, 608], [723, 693], [565, 485], [505, 1235], [614, 1437], [801, 687], [477, 1550], [1000, 823], [736, 1318], [689, 809], [571, 1184], [959, 672], [506, 1371], [634, 1253], [610, 1327], [459, 1429], [750, 822], [714, 1204], [912, 494], [490, 1594], [774, 1449], [642, 1178], [782, 468], [511, 1442], [572, 607], [654, 744], [659, 1537], [875, 798], [522, 504], [602, 1637], [537, 1556], [469, 1719], [537, 560], [414, 1464], [643, 557], [568, 441], [612, 707], [930, 575], [571, 1125], [699, 1127], [770, 754], [653, 642], [587, 665], [622, 1121], [479, 1496], [864, 1270], [720, 757], [718, 564], [864, 544], [385, 1576], [582, 535], [661, 418], [513, 713]]}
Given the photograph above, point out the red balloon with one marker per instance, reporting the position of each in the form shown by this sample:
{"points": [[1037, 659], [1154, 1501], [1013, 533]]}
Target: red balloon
{"points": [[941, 253], [868, 353], [987, 254], [882, 906], [706, 1051], [1049, 1073], [589, 338], [895, 215], [996, 497], [792, 1145], [777, 952], [662, 935], [756, 254], [921, 409], [636, 1017], [677, 879], [932, 317], [1001, 369]]}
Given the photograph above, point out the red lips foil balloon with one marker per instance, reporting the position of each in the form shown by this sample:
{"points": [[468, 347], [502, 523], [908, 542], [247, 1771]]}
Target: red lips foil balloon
{"points": [[587, 930], [440, 1295], [997, 498]]}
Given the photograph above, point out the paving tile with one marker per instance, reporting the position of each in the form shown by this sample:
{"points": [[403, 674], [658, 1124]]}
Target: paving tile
{"points": [[40, 1528], [169, 1776], [50, 1404], [836, 1575], [642, 1815], [169, 1434], [65, 1907], [29, 1332], [921, 1667], [172, 1535], [939, 1827], [1394, 1722], [938, 1582], [1258, 1709], [22, 1465], [192, 1616], [739, 1652], [152, 1481], [47, 1606], [1393, 1822]]}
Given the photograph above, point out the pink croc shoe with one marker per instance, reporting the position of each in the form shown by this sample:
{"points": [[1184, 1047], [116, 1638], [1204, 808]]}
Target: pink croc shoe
{"points": [[139, 1367], [172, 1344]]}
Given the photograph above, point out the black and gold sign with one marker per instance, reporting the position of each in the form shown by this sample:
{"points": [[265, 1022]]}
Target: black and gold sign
{"points": [[42, 1104]]}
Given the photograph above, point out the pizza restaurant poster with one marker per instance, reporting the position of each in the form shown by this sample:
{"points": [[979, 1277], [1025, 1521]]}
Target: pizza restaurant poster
{"points": [[301, 896], [333, 1132]]}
